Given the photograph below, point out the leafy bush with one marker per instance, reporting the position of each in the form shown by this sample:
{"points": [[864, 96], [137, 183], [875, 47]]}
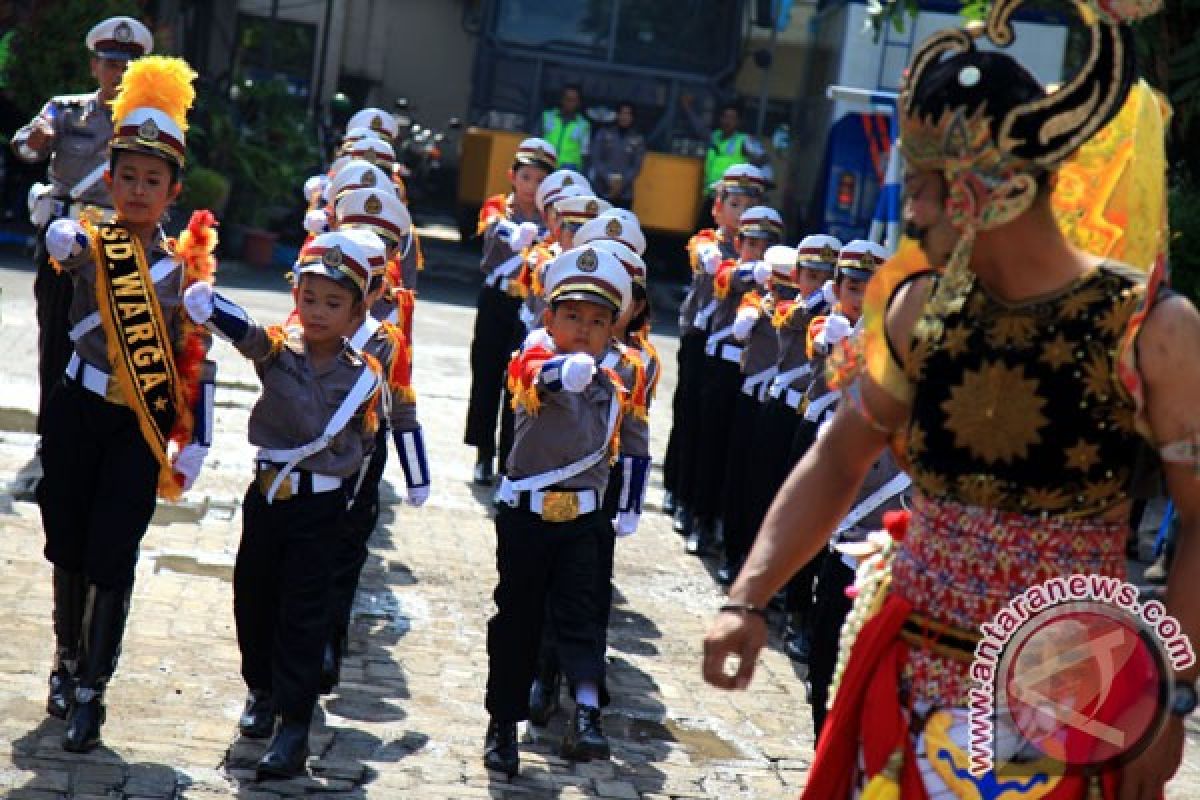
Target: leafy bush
{"points": [[204, 188]]}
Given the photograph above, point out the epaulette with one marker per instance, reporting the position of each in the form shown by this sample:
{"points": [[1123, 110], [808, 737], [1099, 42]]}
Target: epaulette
{"points": [[815, 326], [416, 242], [653, 362], [784, 310], [756, 300], [724, 277], [371, 416], [495, 207], [523, 370], [399, 371], [699, 239]]}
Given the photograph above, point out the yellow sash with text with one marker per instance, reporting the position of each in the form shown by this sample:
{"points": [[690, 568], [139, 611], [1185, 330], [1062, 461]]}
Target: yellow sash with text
{"points": [[139, 342]]}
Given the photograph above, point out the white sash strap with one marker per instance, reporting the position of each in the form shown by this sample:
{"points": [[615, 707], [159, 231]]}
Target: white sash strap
{"points": [[162, 268], [510, 488], [364, 332], [611, 359], [85, 326], [818, 407], [715, 339], [785, 379], [755, 385], [290, 457], [874, 500], [704, 315], [501, 273]]}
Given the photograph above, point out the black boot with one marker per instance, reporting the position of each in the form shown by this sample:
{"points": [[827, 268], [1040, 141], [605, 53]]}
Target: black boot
{"points": [[286, 753], [483, 470], [70, 593], [500, 748], [585, 737], [258, 717], [700, 539], [668, 503], [682, 522], [104, 625], [543, 696]]}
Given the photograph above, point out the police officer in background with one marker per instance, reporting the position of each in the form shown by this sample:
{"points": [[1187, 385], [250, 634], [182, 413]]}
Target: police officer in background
{"points": [[617, 154], [73, 131], [567, 129], [727, 145]]}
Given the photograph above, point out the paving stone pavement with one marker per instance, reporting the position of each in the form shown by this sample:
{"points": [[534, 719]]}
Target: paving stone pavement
{"points": [[407, 720]]}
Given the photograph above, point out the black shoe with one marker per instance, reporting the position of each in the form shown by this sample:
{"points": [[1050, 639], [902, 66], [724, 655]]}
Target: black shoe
{"points": [[725, 574], [62, 686], [500, 748], [258, 717], [796, 645], [286, 753], [331, 668], [668, 503], [682, 521], [543, 698], [83, 723], [585, 738], [700, 540], [483, 472]]}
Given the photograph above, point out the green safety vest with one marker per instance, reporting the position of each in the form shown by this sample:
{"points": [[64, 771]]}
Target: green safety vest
{"points": [[722, 154], [569, 139]]}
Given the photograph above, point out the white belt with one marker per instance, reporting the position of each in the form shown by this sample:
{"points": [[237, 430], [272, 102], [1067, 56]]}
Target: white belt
{"points": [[727, 352], [818, 406], [756, 385], [792, 397], [588, 499], [786, 378], [320, 481], [90, 378], [501, 275], [700, 321]]}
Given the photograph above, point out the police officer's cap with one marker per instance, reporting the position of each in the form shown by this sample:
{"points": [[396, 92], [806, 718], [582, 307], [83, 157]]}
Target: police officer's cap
{"points": [[617, 224], [556, 182], [537, 151], [591, 275], [359, 174], [783, 262], [338, 257], [761, 222], [744, 179], [376, 120], [577, 209], [378, 210], [120, 38], [818, 251], [373, 246], [860, 259], [633, 263]]}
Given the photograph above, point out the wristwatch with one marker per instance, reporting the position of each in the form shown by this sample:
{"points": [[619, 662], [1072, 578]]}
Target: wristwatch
{"points": [[1183, 698]]}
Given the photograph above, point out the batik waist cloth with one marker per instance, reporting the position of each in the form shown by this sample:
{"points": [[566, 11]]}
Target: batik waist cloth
{"points": [[959, 565]]}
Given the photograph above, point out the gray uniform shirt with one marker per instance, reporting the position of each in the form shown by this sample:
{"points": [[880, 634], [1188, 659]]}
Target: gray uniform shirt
{"points": [[496, 251], [700, 293], [793, 343], [567, 427], [635, 433], [82, 128], [762, 346], [740, 282], [616, 152], [297, 401]]}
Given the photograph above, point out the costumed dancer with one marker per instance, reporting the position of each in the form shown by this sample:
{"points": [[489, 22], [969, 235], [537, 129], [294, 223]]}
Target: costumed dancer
{"points": [[740, 187], [309, 454], [550, 523], [73, 131], [1019, 385], [508, 225], [759, 228], [374, 219], [132, 418]]}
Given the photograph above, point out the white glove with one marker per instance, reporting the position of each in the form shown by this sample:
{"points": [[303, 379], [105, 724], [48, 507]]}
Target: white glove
{"points": [[836, 328], [198, 301], [743, 323], [827, 293], [526, 233], [66, 238], [188, 462], [417, 495], [762, 271], [538, 337], [710, 258], [316, 222], [626, 523], [577, 371], [315, 185]]}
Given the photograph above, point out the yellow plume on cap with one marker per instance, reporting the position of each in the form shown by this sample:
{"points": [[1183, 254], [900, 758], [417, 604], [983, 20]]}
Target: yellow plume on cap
{"points": [[162, 82]]}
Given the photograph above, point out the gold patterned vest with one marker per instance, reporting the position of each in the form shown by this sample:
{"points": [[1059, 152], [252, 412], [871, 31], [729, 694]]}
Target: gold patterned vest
{"points": [[1018, 407]]}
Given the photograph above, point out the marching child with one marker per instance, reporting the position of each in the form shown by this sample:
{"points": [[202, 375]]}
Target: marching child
{"points": [[549, 526], [740, 187], [508, 226], [759, 228], [132, 416], [314, 424]]}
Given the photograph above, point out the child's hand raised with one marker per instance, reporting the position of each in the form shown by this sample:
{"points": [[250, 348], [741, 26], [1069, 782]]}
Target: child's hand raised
{"points": [[578, 369]]}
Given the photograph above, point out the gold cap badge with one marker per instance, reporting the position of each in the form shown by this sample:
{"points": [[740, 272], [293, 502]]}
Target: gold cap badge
{"points": [[613, 228], [373, 205], [587, 261], [332, 257], [148, 130]]}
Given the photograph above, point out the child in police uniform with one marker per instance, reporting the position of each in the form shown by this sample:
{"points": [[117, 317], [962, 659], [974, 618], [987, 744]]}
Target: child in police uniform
{"points": [[550, 523], [759, 228], [740, 187], [314, 424], [132, 416], [508, 226]]}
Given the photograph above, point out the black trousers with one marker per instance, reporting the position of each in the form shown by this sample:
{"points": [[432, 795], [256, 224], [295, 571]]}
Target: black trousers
{"points": [[52, 293], [829, 612], [542, 566], [678, 470], [739, 535], [491, 348], [98, 488], [281, 583], [350, 547], [719, 391], [774, 430]]}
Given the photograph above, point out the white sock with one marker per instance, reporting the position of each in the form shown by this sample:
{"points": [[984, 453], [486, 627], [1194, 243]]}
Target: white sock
{"points": [[587, 693]]}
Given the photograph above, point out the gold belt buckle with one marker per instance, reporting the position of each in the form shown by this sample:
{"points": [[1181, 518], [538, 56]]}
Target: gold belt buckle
{"points": [[266, 476], [560, 506]]}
